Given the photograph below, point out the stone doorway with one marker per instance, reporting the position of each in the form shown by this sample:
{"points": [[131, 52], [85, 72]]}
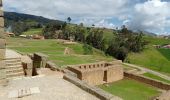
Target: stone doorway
{"points": [[105, 76]]}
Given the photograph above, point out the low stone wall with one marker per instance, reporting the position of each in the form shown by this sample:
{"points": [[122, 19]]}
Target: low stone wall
{"points": [[52, 66], [149, 81], [40, 60], [98, 73], [91, 89]]}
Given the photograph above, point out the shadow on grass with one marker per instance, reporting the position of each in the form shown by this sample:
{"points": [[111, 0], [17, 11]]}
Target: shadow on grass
{"points": [[165, 52]]}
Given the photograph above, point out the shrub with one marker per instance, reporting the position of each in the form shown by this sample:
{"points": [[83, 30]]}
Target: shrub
{"points": [[87, 49]]}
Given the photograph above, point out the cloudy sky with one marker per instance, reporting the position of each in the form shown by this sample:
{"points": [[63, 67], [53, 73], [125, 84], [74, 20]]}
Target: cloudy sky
{"points": [[147, 15]]}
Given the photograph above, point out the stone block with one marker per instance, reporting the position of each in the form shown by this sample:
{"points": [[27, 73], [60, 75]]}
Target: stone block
{"points": [[1, 11], [2, 54], [2, 44], [2, 32], [0, 2], [1, 21], [2, 65]]}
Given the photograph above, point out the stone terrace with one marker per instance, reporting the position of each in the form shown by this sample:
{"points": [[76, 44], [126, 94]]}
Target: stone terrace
{"points": [[52, 87]]}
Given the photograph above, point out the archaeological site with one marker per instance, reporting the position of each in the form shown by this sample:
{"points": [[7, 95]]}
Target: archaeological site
{"points": [[63, 69]]}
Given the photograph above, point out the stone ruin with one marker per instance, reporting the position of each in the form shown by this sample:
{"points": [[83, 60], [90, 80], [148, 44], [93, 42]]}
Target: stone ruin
{"points": [[99, 73], [2, 47]]}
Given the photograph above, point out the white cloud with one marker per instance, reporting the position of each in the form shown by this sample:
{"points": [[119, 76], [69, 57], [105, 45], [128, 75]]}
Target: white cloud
{"points": [[73, 8], [151, 16]]}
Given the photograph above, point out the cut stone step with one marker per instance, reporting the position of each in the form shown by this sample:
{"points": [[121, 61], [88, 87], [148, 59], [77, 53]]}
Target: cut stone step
{"points": [[12, 60], [13, 67], [14, 70], [15, 74], [15, 63]]}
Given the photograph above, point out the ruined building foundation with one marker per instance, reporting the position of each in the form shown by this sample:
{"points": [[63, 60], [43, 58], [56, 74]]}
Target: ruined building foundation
{"points": [[99, 73]]}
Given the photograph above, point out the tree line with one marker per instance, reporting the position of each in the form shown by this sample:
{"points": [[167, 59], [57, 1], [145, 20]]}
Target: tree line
{"points": [[123, 42]]}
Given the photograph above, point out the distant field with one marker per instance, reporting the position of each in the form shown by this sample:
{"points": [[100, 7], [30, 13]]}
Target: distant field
{"points": [[155, 77], [152, 58], [55, 51], [157, 41], [33, 31], [131, 90]]}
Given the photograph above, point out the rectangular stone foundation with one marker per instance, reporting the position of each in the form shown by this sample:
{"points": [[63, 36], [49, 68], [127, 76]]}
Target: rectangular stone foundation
{"points": [[99, 73]]}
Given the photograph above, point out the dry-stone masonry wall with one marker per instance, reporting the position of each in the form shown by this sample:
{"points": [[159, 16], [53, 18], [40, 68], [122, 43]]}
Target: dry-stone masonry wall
{"points": [[155, 83], [99, 73], [2, 47]]}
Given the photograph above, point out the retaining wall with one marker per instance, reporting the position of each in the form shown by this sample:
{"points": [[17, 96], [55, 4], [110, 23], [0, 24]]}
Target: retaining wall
{"points": [[91, 89], [155, 83]]}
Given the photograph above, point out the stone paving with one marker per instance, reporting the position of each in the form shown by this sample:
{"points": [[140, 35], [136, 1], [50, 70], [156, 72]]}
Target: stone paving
{"points": [[52, 87], [11, 54]]}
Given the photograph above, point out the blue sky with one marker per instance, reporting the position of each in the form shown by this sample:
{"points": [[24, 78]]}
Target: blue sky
{"points": [[146, 15]]}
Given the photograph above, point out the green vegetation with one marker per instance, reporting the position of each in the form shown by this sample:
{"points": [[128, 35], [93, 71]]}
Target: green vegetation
{"points": [[131, 90], [155, 77], [152, 58], [157, 41], [33, 31], [55, 51], [165, 52], [19, 23]]}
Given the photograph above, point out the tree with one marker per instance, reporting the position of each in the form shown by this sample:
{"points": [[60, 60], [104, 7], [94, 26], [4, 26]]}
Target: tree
{"points": [[116, 51], [49, 31], [95, 39], [125, 41], [69, 19]]}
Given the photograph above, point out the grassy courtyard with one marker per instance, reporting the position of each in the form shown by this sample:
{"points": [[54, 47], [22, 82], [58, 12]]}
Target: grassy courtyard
{"points": [[55, 51], [131, 90]]}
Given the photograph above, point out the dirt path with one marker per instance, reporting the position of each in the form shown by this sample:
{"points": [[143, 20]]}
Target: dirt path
{"points": [[150, 71]]}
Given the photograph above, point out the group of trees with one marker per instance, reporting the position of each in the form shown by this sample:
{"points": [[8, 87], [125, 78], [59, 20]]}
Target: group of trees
{"points": [[123, 42], [126, 41]]}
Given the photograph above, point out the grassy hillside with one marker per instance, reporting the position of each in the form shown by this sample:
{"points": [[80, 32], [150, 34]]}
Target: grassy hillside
{"points": [[33, 31], [156, 59], [55, 51], [12, 17]]}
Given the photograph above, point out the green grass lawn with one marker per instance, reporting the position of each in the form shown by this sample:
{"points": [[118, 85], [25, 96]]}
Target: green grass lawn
{"points": [[155, 77], [131, 90], [33, 31], [165, 52], [55, 51]]}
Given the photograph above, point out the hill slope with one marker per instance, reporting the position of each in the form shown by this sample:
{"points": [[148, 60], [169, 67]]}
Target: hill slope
{"points": [[12, 17], [55, 50], [155, 59]]}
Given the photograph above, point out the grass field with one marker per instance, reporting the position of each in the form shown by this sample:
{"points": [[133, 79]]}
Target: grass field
{"points": [[152, 58], [33, 31], [155, 77], [55, 51], [165, 52], [131, 90]]}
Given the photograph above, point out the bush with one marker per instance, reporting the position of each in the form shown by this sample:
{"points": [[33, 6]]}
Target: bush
{"points": [[118, 52], [87, 49]]}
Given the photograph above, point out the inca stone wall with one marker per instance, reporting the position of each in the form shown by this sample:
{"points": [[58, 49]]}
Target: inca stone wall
{"points": [[2, 47], [155, 83], [99, 73]]}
